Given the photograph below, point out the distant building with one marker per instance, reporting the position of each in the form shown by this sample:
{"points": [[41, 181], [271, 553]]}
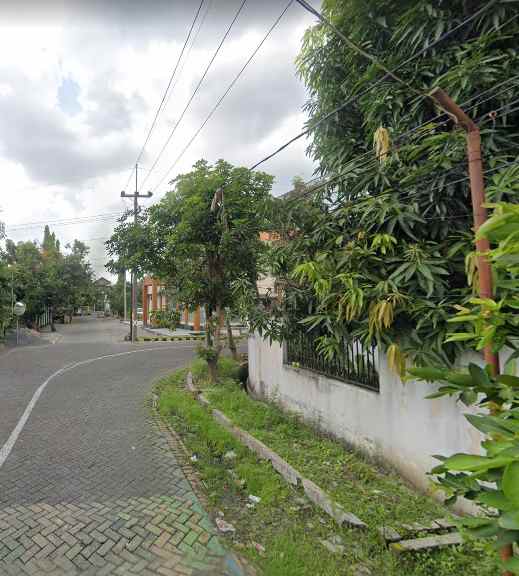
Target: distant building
{"points": [[154, 298], [102, 300], [268, 285]]}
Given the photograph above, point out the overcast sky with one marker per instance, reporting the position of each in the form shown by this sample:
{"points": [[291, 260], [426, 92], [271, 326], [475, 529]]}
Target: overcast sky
{"points": [[80, 83]]}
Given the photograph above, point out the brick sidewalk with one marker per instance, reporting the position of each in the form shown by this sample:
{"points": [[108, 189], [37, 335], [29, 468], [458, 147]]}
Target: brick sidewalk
{"points": [[168, 533]]}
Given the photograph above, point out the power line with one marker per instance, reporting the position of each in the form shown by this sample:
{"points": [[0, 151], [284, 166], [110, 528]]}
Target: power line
{"points": [[169, 83], [65, 222], [374, 160], [215, 54], [224, 95], [374, 85], [354, 46], [167, 93], [416, 193], [188, 53], [353, 163]]}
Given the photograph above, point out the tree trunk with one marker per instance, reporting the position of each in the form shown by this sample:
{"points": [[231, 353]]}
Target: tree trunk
{"points": [[207, 325], [230, 338], [52, 327], [212, 367], [216, 328]]}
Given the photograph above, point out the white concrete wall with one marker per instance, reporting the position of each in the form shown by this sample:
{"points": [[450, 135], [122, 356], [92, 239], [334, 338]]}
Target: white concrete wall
{"points": [[398, 424]]}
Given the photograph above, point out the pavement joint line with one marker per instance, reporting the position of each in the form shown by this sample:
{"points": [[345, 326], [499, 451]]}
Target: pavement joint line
{"points": [[6, 449]]}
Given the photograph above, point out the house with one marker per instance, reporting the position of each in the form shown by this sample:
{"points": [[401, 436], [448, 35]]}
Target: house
{"points": [[103, 288], [154, 297], [267, 284]]}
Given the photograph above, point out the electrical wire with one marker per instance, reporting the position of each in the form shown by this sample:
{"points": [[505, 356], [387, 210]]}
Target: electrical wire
{"points": [[421, 192], [160, 107], [65, 222], [170, 81], [355, 46], [224, 95], [208, 6], [431, 127], [314, 125], [215, 54]]}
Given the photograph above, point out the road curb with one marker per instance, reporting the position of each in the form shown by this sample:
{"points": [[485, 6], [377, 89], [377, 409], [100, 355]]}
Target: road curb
{"points": [[292, 476], [238, 566]]}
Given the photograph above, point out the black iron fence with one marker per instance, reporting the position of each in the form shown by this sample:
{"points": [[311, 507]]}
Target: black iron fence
{"points": [[356, 364]]}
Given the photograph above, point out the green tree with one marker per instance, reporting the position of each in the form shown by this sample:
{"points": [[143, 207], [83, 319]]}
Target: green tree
{"points": [[199, 251], [384, 260], [77, 287], [5, 294], [44, 276], [117, 295]]}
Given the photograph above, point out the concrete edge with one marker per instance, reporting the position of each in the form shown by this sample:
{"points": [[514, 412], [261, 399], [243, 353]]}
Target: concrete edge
{"points": [[312, 491], [183, 455]]}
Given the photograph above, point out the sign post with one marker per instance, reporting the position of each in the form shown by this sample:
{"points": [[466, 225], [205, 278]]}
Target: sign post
{"points": [[19, 310]]}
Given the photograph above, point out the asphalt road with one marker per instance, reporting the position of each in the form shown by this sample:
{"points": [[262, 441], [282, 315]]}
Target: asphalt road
{"points": [[88, 480]]}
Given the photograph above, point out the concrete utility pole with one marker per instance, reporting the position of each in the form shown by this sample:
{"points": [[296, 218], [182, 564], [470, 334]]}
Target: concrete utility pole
{"points": [[135, 196], [124, 296]]}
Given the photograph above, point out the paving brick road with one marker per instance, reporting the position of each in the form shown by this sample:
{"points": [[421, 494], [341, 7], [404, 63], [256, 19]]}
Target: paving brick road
{"points": [[93, 483]]}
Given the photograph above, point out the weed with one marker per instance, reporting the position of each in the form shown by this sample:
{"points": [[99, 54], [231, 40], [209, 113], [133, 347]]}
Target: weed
{"points": [[290, 530]]}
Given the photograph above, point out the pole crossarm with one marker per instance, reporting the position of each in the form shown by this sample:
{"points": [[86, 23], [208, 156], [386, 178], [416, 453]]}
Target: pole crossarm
{"points": [[126, 195]]}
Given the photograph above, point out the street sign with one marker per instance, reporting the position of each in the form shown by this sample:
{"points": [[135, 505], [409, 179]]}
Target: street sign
{"points": [[19, 309]]}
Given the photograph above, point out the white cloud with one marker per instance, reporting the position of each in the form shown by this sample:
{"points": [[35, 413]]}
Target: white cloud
{"points": [[64, 158]]}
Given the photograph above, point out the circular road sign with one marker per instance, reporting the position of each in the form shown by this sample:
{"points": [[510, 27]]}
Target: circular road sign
{"points": [[19, 308]]}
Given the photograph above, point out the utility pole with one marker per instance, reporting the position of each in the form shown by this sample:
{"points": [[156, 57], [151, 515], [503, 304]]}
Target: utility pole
{"points": [[477, 191], [135, 196], [124, 296]]}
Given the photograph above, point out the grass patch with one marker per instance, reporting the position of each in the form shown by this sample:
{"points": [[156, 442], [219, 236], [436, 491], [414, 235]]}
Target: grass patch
{"points": [[227, 369], [287, 526]]}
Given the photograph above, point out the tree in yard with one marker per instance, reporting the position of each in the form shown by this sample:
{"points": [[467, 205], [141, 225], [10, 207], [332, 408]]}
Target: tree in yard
{"points": [[392, 251], [387, 253], [45, 276], [77, 278], [5, 294], [198, 252]]}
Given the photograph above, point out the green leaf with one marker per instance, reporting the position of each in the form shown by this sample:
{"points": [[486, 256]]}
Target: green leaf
{"points": [[479, 375], [430, 374], [465, 318], [512, 565], [474, 463], [509, 380], [494, 447], [469, 397], [474, 521], [460, 378], [461, 337], [510, 520], [488, 425], [487, 531], [505, 537], [443, 391], [495, 499], [511, 482]]}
